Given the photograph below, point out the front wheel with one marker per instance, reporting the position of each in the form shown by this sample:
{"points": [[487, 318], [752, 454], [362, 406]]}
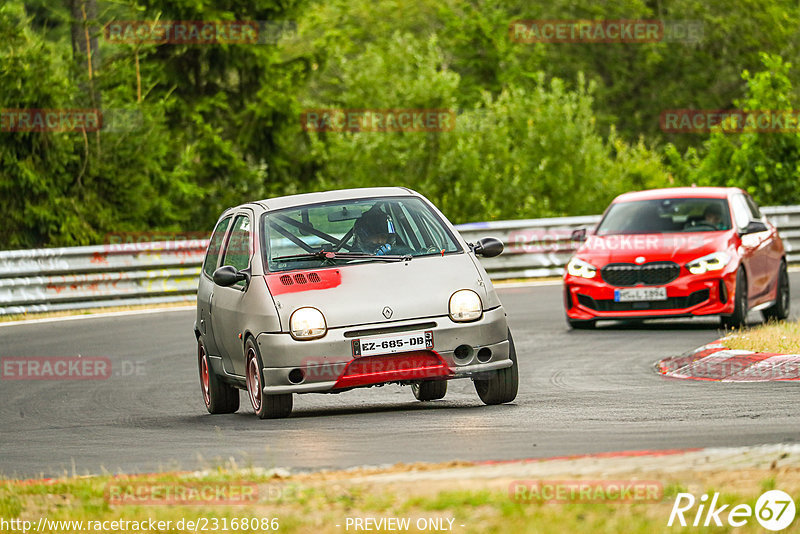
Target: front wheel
{"points": [[780, 310], [429, 390], [265, 406], [502, 385], [739, 316], [218, 396]]}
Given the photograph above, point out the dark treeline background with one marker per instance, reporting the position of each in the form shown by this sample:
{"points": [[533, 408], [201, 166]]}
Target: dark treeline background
{"points": [[542, 129]]}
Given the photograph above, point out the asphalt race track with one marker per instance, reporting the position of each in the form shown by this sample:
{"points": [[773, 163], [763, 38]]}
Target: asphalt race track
{"points": [[580, 392]]}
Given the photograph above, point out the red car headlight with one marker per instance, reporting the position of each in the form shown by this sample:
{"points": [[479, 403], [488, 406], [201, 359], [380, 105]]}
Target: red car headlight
{"points": [[577, 267], [712, 262]]}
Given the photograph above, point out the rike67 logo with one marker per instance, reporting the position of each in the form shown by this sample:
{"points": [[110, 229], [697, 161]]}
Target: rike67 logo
{"points": [[774, 510]]}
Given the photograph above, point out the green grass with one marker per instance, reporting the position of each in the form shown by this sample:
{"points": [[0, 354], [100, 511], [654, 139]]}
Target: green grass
{"points": [[316, 504], [778, 337]]}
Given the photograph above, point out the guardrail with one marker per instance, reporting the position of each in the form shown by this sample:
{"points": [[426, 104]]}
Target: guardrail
{"points": [[124, 274]]}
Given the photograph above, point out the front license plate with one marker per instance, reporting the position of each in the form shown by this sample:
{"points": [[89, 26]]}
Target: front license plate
{"points": [[371, 346], [638, 294]]}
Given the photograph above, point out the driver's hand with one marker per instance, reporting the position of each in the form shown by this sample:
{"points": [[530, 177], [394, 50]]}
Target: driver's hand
{"points": [[384, 249]]}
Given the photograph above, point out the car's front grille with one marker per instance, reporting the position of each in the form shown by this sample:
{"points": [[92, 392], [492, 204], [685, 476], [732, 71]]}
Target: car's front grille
{"points": [[650, 274], [390, 329], [672, 303]]}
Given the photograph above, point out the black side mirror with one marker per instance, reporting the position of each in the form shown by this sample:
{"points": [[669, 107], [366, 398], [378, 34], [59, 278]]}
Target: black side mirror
{"points": [[754, 227], [227, 275], [488, 247], [578, 234]]}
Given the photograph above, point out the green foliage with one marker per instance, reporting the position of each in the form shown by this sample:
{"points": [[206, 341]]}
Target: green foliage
{"points": [[528, 152], [541, 129], [35, 168], [766, 164]]}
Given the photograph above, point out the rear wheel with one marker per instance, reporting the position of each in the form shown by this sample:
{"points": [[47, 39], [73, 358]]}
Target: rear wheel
{"points": [[502, 385], [218, 396], [780, 310], [429, 390], [739, 316], [265, 406]]}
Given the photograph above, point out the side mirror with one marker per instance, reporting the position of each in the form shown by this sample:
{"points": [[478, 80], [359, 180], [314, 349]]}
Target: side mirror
{"points": [[227, 275], [488, 247], [754, 227], [578, 234]]}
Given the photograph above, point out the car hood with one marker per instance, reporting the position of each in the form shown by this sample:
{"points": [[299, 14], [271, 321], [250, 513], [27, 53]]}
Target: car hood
{"points": [[358, 294], [679, 247]]}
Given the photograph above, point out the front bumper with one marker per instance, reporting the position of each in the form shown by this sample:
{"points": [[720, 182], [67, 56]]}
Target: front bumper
{"points": [[323, 362], [688, 295]]}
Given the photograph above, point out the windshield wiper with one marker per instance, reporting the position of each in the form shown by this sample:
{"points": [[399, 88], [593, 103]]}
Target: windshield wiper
{"points": [[331, 255]]}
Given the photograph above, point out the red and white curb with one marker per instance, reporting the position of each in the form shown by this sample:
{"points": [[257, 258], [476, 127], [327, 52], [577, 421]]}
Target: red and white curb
{"points": [[718, 363]]}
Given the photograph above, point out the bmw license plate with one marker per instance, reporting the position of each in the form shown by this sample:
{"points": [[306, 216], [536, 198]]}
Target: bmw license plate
{"points": [[639, 294], [371, 346]]}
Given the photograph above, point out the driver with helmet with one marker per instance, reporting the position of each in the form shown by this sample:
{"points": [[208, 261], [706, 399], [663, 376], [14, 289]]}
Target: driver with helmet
{"points": [[374, 232]]}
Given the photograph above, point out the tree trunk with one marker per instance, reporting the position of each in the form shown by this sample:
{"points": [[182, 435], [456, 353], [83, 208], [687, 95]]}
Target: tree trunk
{"points": [[85, 51]]}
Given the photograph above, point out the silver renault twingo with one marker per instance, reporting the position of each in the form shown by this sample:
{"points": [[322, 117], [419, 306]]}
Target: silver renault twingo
{"points": [[325, 292]]}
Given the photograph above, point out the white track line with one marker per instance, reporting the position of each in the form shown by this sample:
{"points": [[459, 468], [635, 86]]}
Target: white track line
{"points": [[98, 315]]}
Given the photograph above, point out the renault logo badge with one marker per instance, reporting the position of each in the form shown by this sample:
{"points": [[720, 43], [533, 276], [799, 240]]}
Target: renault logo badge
{"points": [[387, 312]]}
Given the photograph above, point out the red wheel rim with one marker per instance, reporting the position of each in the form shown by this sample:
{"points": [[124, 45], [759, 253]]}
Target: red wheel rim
{"points": [[253, 380], [204, 375]]}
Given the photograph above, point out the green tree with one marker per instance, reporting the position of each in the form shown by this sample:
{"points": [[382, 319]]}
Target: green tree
{"points": [[765, 164], [527, 152]]}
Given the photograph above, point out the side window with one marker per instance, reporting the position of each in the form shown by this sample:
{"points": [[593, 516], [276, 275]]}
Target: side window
{"points": [[237, 251], [755, 213], [741, 211], [212, 255]]}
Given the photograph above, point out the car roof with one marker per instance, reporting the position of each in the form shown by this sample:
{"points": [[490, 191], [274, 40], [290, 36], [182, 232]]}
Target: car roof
{"points": [[678, 192], [291, 201]]}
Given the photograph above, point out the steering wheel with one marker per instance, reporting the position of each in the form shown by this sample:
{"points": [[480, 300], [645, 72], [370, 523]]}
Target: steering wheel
{"points": [[697, 224]]}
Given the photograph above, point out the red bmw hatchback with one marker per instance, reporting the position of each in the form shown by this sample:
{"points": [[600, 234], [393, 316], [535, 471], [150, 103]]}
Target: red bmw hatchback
{"points": [[678, 252]]}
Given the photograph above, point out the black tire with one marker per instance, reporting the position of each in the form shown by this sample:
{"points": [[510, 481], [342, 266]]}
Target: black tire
{"points": [[502, 385], [739, 316], [429, 390], [780, 310], [218, 396], [265, 406], [577, 324]]}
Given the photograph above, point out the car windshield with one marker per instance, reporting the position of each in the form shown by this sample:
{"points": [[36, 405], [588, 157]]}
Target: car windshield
{"points": [[666, 215], [374, 229]]}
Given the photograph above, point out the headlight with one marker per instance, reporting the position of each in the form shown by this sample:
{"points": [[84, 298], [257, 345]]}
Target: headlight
{"points": [[711, 262], [307, 323], [465, 305], [577, 267]]}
